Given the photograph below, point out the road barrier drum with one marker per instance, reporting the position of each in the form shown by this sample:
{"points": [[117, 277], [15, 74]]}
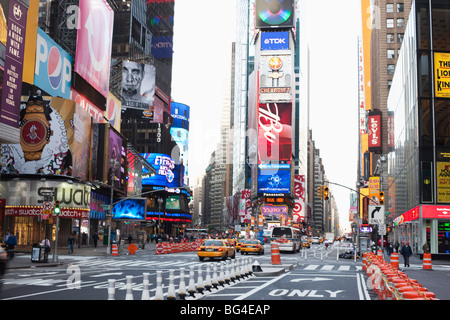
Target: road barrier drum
{"points": [[427, 261], [115, 250], [275, 250], [394, 260]]}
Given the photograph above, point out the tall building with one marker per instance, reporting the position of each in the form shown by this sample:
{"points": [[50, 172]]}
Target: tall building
{"points": [[419, 193]]}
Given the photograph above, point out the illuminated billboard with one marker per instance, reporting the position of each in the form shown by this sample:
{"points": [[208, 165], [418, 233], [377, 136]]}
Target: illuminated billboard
{"points": [[275, 132], [167, 172], [130, 209], [274, 178], [274, 14], [94, 40]]}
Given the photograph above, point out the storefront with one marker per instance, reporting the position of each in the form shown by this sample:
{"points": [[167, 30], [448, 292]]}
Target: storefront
{"points": [[29, 205], [425, 223]]}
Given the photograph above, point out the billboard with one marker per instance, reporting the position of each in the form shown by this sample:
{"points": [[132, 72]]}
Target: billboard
{"points": [[274, 14], [442, 75], [14, 59], [130, 209], [94, 40], [274, 132], [162, 47], [374, 131], [274, 178], [275, 41], [276, 78], [138, 85], [168, 173], [54, 139], [53, 68]]}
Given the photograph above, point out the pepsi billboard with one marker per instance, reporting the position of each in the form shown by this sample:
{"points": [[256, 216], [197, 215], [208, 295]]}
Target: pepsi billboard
{"points": [[53, 71], [274, 41]]}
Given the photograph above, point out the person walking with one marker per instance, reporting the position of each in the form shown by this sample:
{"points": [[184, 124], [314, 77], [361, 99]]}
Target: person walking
{"points": [[396, 246], [70, 243], [11, 244], [406, 252], [426, 247], [95, 239]]}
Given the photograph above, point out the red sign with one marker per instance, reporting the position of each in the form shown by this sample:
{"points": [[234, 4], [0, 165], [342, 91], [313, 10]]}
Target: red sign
{"points": [[374, 127], [76, 213], [436, 212], [274, 131]]}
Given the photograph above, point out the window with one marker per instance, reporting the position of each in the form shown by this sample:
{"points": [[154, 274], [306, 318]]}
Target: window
{"points": [[400, 23], [390, 38], [391, 54], [389, 23], [400, 37], [389, 7], [391, 69], [400, 7]]}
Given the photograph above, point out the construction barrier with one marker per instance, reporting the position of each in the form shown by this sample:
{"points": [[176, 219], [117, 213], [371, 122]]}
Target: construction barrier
{"points": [[394, 260], [275, 250], [167, 248], [389, 283], [427, 261], [115, 249]]}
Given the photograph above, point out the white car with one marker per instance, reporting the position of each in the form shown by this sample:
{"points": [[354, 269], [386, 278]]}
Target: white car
{"points": [[315, 240]]}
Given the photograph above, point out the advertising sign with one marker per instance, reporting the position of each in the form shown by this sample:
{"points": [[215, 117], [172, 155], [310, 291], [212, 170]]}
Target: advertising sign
{"points": [[162, 47], [274, 131], [53, 68], [95, 112], [299, 201], [94, 39], [138, 85], [275, 79], [14, 58], [168, 173], [274, 178], [54, 139], [442, 75], [274, 211], [274, 14], [275, 40], [130, 209], [443, 181], [374, 131]]}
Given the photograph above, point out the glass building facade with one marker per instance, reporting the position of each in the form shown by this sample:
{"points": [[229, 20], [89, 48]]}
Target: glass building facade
{"points": [[419, 132]]}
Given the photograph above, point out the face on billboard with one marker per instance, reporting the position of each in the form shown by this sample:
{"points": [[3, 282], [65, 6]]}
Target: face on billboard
{"points": [[138, 85]]}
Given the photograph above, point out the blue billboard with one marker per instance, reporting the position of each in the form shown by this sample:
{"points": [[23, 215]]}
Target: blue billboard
{"points": [[275, 40], [274, 179], [180, 114], [130, 209], [168, 173], [53, 70]]}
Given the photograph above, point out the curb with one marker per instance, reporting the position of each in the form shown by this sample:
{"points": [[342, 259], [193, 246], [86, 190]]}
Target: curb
{"points": [[273, 270]]}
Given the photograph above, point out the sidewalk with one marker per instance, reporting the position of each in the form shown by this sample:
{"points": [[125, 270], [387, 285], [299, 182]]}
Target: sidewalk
{"points": [[22, 257]]}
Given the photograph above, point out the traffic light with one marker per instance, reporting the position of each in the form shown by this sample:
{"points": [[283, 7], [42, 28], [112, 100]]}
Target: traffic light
{"points": [[381, 197], [326, 193], [56, 209], [319, 191]]}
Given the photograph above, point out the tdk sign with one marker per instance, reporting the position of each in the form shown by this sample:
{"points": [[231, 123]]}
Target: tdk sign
{"points": [[275, 40], [53, 70]]}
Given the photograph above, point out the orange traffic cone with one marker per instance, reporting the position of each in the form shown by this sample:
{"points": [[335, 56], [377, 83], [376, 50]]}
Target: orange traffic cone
{"points": [[275, 254]]}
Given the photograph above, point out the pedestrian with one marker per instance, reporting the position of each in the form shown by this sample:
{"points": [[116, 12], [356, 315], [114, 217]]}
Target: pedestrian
{"points": [[389, 249], [70, 243], [426, 247], [396, 246], [406, 252], [130, 238], [84, 239], [95, 239], [11, 244]]}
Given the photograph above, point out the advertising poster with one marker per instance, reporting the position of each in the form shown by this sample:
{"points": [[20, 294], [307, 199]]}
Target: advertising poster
{"points": [[168, 173], [274, 132], [112, 113], [130, 209], [442, 75], [95, 112], [54, 133], [274, 14], [274, 178], [299, 200], [53, 68], [374, 131], [443, 181], [14, 57], [115, 152], [138, 85], [94, 40]]}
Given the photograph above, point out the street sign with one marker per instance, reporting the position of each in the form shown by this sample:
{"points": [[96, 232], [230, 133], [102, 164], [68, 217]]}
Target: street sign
{"points": [[382, 229], [47, 205], [376, 214]]}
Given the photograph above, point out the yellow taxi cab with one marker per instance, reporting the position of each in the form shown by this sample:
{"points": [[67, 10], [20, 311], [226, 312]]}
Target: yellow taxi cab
{"points": [[216, 248], [252, 246], [306, 244], [238, 244]]}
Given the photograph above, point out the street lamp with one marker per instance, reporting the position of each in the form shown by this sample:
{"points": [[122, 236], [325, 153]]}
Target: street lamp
{"points": [[160, 202], [114, 164]]}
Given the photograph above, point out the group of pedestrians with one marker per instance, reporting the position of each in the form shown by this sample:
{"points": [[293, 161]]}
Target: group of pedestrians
{"points": [[405, 250]]}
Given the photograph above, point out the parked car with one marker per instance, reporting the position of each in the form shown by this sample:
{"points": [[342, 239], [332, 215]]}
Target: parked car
{"points": [[252, 246], [216, 249]]}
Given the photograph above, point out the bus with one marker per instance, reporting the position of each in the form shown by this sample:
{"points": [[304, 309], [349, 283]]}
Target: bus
{"points": [[287, 238]]}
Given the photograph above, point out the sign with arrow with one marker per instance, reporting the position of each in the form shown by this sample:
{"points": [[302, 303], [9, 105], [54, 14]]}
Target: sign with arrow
{"points": [[376, 214]]}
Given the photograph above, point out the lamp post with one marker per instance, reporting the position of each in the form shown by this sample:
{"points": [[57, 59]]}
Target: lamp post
{"points": [[114, 164], [160, 202]]}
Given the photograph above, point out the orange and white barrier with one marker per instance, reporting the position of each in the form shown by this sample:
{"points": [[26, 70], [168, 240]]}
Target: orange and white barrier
{"points": [[427, 261], [394, 260], [275, 250], [115, 250]]}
